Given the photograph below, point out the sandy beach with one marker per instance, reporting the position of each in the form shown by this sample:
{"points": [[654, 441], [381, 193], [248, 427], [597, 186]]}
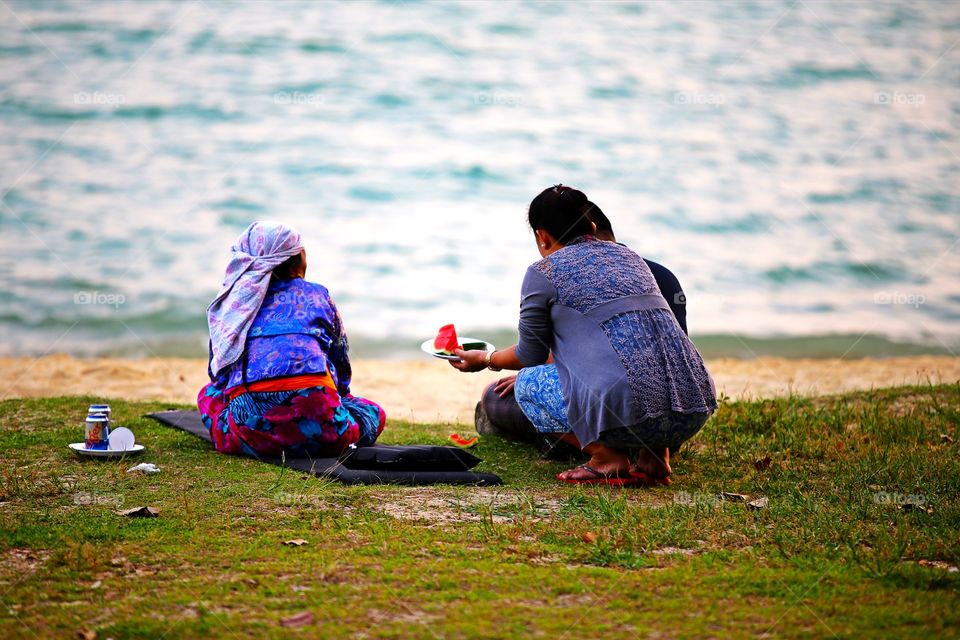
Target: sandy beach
{"points": [[431, 391]]}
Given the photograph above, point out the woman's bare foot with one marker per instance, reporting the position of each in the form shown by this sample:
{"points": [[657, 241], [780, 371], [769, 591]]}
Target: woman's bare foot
{"points": [[603, 460], [654, 464]]}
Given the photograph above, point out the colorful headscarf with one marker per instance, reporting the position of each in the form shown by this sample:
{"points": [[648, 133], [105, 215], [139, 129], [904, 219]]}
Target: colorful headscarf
{"points": [[257, 252]]}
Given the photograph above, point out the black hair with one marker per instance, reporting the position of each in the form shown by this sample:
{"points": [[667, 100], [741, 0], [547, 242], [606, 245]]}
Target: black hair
{"points": [[598, 218], [289, 269], [561, 211]]}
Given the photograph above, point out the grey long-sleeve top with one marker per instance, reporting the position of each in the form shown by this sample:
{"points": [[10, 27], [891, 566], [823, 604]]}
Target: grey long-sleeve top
{"points": [[620, 354]]}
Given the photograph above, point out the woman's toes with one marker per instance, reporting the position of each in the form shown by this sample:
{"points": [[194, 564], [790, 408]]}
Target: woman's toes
{"points": [[566, 475]]}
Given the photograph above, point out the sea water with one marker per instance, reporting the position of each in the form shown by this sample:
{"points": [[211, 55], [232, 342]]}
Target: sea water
{"points": [[796, 164]]}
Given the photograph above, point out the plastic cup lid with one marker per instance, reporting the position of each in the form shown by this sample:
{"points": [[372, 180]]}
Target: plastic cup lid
{"points": [[122, 439]]}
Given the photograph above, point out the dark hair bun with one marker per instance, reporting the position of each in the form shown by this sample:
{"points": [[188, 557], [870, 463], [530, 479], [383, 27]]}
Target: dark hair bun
{"points": [[561, 211]]}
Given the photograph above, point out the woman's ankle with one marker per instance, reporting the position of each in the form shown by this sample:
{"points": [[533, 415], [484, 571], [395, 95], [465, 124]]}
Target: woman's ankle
{"points": [[654, 462], [604, 455]]}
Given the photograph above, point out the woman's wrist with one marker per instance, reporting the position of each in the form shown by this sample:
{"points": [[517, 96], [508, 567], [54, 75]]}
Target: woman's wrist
{"points": [[488, 361]]}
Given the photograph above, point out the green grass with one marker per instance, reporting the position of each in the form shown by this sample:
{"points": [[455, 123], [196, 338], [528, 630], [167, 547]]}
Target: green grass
{"points": [[831, 556]]}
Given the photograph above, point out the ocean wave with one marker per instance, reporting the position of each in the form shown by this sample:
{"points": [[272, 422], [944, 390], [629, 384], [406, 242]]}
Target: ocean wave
{"points": [[508, 29], [750, 223], [210, 41], [189, 111], [19, 50], [311, 167], [613, 92], [321, 46], [238, 204], [104, 328], [868, 272], [942, 202], [371, 194], [421, 40], [875, 190], [478, 173], [46, 111], [799, 75], [50, 111], [70, 26], [390, 100]]}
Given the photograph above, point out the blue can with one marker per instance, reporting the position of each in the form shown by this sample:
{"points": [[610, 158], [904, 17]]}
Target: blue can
{"points": [[97, 432], [99, 410]]}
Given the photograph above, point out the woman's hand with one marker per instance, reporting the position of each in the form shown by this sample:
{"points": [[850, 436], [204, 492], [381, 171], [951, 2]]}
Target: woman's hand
{"points": [[505, 386], [470, 361]]}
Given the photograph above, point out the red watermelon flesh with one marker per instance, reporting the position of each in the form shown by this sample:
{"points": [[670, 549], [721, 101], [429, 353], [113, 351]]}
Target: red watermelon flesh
{"points": [[446, 340], [461, 441]]}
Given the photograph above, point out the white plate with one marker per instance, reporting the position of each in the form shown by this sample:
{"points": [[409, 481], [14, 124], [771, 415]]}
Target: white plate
{"points": [[81, 448], [427, 347]]}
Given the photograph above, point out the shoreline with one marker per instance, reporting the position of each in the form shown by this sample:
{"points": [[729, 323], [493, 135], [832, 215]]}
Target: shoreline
{"points": [[712, 346], [430, 391]]}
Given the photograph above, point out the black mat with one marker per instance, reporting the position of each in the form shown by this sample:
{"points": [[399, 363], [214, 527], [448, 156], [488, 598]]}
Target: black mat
{"points": [[379, 464]]}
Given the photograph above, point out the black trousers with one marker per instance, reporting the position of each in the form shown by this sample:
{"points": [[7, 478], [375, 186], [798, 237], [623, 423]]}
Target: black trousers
{"points": [[503, 417]]}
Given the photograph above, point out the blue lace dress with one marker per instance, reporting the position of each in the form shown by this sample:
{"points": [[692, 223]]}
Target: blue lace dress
{"points": [[625, 374]]}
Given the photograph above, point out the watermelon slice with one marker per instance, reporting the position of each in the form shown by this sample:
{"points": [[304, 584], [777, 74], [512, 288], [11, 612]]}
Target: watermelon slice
{"points": [[460, 441], [446, 341]]}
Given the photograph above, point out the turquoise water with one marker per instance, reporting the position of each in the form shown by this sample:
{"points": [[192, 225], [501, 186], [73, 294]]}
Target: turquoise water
{"points": [[796, 164]]}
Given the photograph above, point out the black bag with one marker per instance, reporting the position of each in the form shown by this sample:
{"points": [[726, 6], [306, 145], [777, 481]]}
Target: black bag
{"points": [[380, 464], [412, 457]]}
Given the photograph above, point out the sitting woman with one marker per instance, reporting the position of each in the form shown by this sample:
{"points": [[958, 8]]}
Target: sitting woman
{"points": [[279, 369], [626, 385]]}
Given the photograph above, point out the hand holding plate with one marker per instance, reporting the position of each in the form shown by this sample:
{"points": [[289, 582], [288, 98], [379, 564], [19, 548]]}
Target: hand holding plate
{"points": [[470, 361]]}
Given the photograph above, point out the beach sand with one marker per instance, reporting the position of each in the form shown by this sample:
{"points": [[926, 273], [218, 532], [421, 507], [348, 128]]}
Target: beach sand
{"points": [[431, 391]]}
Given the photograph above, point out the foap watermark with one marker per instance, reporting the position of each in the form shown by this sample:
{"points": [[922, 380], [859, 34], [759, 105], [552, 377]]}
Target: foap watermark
{"points": [[694, 98], [914, 300], [704, 299], [298, 98], [915, 100], [95, 98], [697, 499], [499, 99], [88, 498], [99, 298], [293, 499], [900, 499]]}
